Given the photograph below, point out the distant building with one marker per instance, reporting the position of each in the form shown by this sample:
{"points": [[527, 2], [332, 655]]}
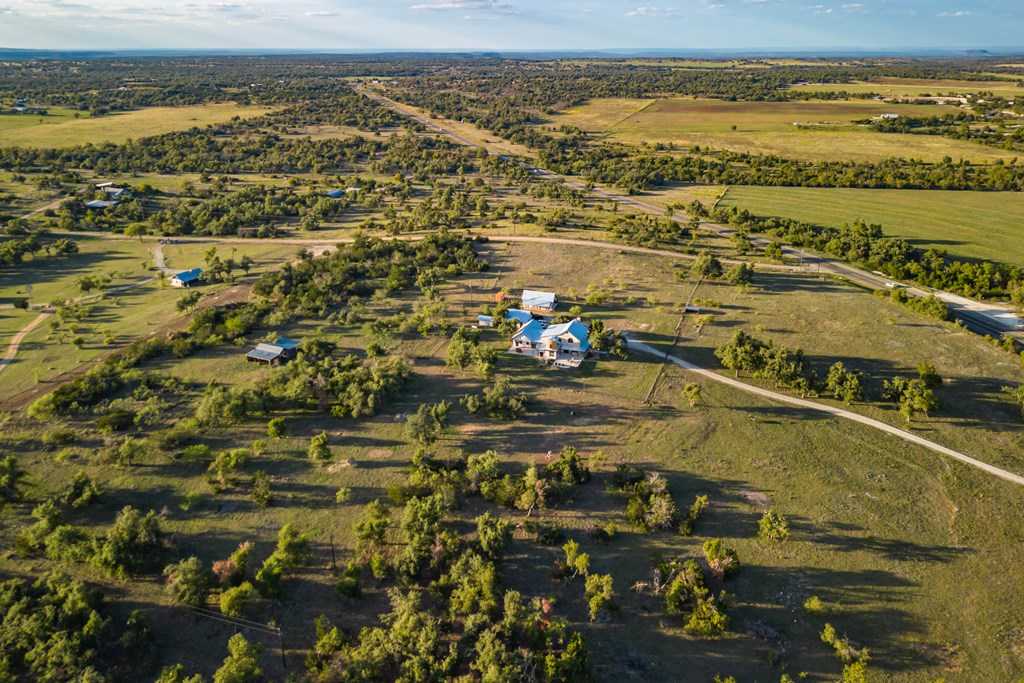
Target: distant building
{"points": [[539, 301], [117, 192], [485, 321], [565, 345], [187, 278], [281, 351], [100, 204], [889, 117], [335, 194], [519, 315]]}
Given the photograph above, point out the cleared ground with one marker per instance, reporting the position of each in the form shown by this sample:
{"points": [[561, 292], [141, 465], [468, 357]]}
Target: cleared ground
{"points": [[915, 87], [987, 225], [813, 130], [63, 130]]}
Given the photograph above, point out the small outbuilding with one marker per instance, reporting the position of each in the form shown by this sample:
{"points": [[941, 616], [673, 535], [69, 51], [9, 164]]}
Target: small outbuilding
{"points": [[335, 194], [187, 278], [281, 351], [100, 204], [485, 321], [539, 301]]}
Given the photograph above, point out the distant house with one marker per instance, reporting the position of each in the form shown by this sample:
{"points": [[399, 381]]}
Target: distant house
{"points": [[565, 345], [187, 278], [485, 321], [335, 194], [539, 301], [100, 204], [520, 316], [281, 351], [889, 117]]}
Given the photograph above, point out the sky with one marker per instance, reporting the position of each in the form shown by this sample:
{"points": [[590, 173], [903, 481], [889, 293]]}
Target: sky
{"points": [[511, 24]]}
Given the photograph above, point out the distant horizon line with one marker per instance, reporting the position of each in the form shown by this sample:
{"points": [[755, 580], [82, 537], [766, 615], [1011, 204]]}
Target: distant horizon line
{"points": [[754, 52]]}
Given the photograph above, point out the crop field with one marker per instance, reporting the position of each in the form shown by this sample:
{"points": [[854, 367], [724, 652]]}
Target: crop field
{"points": [[62, 130], [986, 225], [916, 87], [889, 536], [802, 130]]}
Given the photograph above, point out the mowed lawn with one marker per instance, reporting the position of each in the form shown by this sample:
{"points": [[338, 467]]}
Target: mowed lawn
{"points": [[815, 130], [916, 87], [63, 130], [987, 225]]}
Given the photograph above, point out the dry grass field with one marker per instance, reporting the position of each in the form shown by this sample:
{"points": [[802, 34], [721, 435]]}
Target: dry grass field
{"points": [[814, 130], [915, 87], [63, 130]]}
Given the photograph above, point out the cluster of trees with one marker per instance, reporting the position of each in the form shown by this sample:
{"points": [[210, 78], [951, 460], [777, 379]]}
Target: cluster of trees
{"points": [[318, 287], [1007, 134], [649, 231], [57, 629], [132, 545], [779, 365], [15, 248], [344, 386], [469, 624], [253, 206], [239, 582], [867, 245], [635, 172]]}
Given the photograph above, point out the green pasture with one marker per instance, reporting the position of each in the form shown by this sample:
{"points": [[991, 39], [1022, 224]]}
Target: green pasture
{"points": [[986, 225]]}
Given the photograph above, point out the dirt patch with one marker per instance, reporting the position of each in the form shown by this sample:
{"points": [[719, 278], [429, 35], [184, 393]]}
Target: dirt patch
{"points": [[756, 498], [378, 453]]}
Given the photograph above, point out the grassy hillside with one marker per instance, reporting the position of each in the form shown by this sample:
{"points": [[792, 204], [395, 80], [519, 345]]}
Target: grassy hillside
{"points": [[972, 224]]}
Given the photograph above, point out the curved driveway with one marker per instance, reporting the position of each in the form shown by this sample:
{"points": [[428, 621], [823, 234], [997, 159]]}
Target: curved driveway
{"points": [[831, 410]]}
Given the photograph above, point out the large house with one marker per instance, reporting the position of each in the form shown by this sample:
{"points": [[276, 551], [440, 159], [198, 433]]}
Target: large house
{"points": [[565, 345], [187, 278]]}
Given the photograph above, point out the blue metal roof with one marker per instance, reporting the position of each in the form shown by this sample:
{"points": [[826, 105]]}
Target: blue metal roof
{"points": [[518, 315], [286, 343], [576, 328], [189, 275], [336, 194], [531, 331]]}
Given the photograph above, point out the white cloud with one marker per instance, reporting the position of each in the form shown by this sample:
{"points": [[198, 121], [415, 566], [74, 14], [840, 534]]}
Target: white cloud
{"points": [[821, 9], [854, 7], [321, 14], [956, 13], [497, 6], [653, 12]]}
